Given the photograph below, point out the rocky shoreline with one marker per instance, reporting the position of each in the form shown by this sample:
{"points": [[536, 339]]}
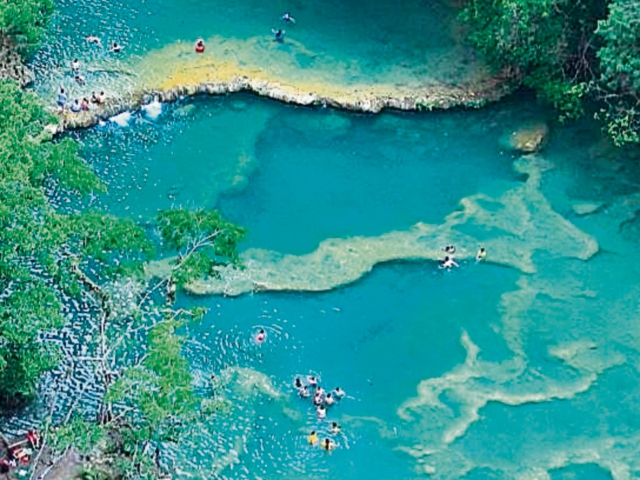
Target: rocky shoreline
{"points": [[432, 97], [12, 66]]}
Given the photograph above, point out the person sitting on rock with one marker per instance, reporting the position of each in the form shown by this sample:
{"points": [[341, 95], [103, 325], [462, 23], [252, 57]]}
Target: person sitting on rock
{"points": [[102, 98], [482, 254], [75, 106], [34, 439], [21, 454], [84, 104], [450, 249], [7, 463], [278, 35]]}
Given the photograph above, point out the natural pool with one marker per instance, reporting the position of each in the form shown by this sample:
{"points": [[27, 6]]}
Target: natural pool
{"points": [[514, 369], [524, 366]]}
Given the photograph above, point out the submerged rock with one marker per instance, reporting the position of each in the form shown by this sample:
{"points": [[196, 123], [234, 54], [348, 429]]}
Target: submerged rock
{"points": [[528, 139], [586, 208]]}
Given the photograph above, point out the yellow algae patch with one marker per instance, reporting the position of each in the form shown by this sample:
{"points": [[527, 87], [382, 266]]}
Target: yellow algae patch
{"points": [[288, 72], [292, 70]]}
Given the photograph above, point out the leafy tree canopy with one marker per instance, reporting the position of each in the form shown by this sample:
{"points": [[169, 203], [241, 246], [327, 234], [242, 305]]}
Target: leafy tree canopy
{"points": [[25, 20], [572, 52]]}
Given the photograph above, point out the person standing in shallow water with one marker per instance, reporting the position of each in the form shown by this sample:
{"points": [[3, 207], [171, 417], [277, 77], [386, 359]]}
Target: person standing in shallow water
{"points": [[62, 99], [278, 34]]}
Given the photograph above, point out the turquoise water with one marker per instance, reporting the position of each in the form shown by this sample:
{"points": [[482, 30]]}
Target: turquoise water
{"points": [[346, 43], [534, 399], [524, 366]]}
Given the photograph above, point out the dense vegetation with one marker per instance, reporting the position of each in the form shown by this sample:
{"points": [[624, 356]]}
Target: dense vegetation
{"points": [[24, 20], [580, 55], [50, 259]]}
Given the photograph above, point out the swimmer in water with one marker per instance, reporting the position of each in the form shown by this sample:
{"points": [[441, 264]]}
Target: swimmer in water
{"points": [[448, 263], [288, 18], [80, 80], [481, 255], [312, 381], [313, 438], [317, 400], [278, 35], [199, 46], [321, 411], [260, 337], [328, 444], [116, 48], [335, 428], [304, 392], [93, 40], [329, 400], [450, 249], [297, 383], [319, 390], [339, 393]]}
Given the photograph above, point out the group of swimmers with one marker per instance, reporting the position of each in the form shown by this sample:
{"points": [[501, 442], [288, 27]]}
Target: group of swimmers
{"points": [[79, 105], [321, 400], [279, 33], [449, 260]]}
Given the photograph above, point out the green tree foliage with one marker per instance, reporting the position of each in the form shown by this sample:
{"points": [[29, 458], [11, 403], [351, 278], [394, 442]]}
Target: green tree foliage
{"points": [[160, 387], [572, 52], [24, 21], [31, 235], [619, 85], [203, 238], [546, 43]]}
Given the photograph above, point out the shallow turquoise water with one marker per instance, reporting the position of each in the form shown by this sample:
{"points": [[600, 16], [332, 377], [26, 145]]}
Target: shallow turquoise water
{"points": [[351, 42], [483, 372]]}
